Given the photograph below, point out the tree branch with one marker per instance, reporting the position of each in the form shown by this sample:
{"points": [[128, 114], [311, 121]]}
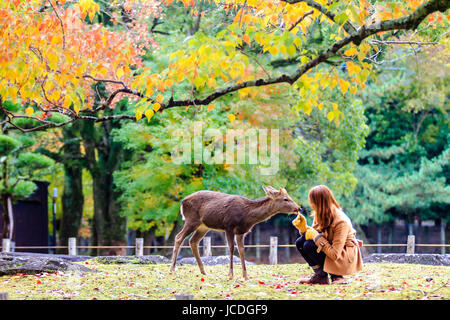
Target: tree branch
{"points": [[408, 22], [348, 26]]}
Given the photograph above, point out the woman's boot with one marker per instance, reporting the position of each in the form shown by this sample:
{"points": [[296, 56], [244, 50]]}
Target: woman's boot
{"points": [[319, 277], [335, 279]]}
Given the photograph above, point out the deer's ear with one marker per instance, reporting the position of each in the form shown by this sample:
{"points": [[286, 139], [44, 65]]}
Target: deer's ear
{"points": [[270, 191], [283, 190]]}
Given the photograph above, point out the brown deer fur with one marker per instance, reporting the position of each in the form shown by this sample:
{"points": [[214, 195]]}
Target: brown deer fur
{"points": [[236, 215]]}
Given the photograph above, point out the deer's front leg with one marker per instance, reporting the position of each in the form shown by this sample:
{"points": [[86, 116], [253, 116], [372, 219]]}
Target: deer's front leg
{"points": [[230, 240], [241, 248], [193, 241]]}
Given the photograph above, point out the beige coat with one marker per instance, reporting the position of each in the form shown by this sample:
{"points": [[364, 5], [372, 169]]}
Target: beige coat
{"points": [[340, 246]]}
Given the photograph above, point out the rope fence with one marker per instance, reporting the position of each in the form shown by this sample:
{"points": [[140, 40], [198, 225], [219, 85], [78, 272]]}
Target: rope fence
{"points": [[273, 246]]}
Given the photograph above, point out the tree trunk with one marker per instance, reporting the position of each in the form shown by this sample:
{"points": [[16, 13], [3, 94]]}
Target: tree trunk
{"points": [[8, 218], [109, 228], [72, 202], [379, 238], [103, 156], [443, 225], [148, 240], [72, 198], [390, 235]]}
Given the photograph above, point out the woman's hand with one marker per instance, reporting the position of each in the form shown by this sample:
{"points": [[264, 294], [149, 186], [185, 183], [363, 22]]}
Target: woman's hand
{"points": [[300, 223], [311, 234]]}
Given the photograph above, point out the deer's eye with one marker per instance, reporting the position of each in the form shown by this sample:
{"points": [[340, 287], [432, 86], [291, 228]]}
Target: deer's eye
{"points": [[286, 199]]}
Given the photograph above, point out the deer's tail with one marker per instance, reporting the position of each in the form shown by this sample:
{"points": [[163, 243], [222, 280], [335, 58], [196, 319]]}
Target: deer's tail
{"points": [[181, 211]]}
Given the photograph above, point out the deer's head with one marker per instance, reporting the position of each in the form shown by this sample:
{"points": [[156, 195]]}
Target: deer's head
{"points": [[281, 200]]}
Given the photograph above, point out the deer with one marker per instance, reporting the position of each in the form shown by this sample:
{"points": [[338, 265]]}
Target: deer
{"points": [[207, 210]]}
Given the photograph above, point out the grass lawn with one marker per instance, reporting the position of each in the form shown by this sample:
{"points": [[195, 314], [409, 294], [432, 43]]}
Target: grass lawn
{"points": [[132, 281]]}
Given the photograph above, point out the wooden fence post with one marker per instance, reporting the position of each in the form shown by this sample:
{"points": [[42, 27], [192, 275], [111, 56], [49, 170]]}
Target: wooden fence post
{"points": [[257, 241], [207, 247], [139, 247], [72, 246], [6, 245], [410, 244], [273, 255], [3, 295]]}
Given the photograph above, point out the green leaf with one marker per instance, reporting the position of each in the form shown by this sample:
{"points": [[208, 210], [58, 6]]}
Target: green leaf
{"points": [[8, 145], [33, 161], [341, 18]]}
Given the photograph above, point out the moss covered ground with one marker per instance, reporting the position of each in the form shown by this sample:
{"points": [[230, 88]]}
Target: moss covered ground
{"points": [[133, 281]]}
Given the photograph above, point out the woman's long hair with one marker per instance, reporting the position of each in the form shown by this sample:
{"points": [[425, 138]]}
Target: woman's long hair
{"points": [[323, 200]]}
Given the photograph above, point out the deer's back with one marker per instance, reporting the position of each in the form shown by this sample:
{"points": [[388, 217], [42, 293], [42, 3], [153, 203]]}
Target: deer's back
{"points": [[216, 210]]}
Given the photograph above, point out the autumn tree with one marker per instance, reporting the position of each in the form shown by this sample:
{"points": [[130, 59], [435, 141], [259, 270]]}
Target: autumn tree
{"points": [[50, 55]]}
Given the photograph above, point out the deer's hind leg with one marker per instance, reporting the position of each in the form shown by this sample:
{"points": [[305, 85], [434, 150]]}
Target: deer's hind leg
{"points": [[193, 242], [230, 241], [241, 248], [188, 228]]}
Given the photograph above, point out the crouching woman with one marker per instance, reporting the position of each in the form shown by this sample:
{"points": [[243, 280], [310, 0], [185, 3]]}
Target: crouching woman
{"points": [[329, 246]]}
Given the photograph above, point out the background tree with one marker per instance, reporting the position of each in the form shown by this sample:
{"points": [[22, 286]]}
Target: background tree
{"points": [[65, 149], [83, 57], [403, 171], [18, 169]]}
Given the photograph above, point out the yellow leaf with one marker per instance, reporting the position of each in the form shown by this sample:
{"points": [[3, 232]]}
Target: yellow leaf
{"points": [[353, 68], [334, 105], [307, 108], [330, 116], [303, 29], [351, 52], [304, 59], [55, 95], [231, 117], [119, 73], [291, 50], [66, 102], [156, 106], [76, 108], [333, 83], [138, 115], [52, 60], [344, 86], [273, 51], [29, 111], [149, 114], [160, 98]]}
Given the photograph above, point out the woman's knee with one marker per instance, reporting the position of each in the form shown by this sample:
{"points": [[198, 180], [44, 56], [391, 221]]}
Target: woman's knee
{"points": [[309, 246], [299, 243]]}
